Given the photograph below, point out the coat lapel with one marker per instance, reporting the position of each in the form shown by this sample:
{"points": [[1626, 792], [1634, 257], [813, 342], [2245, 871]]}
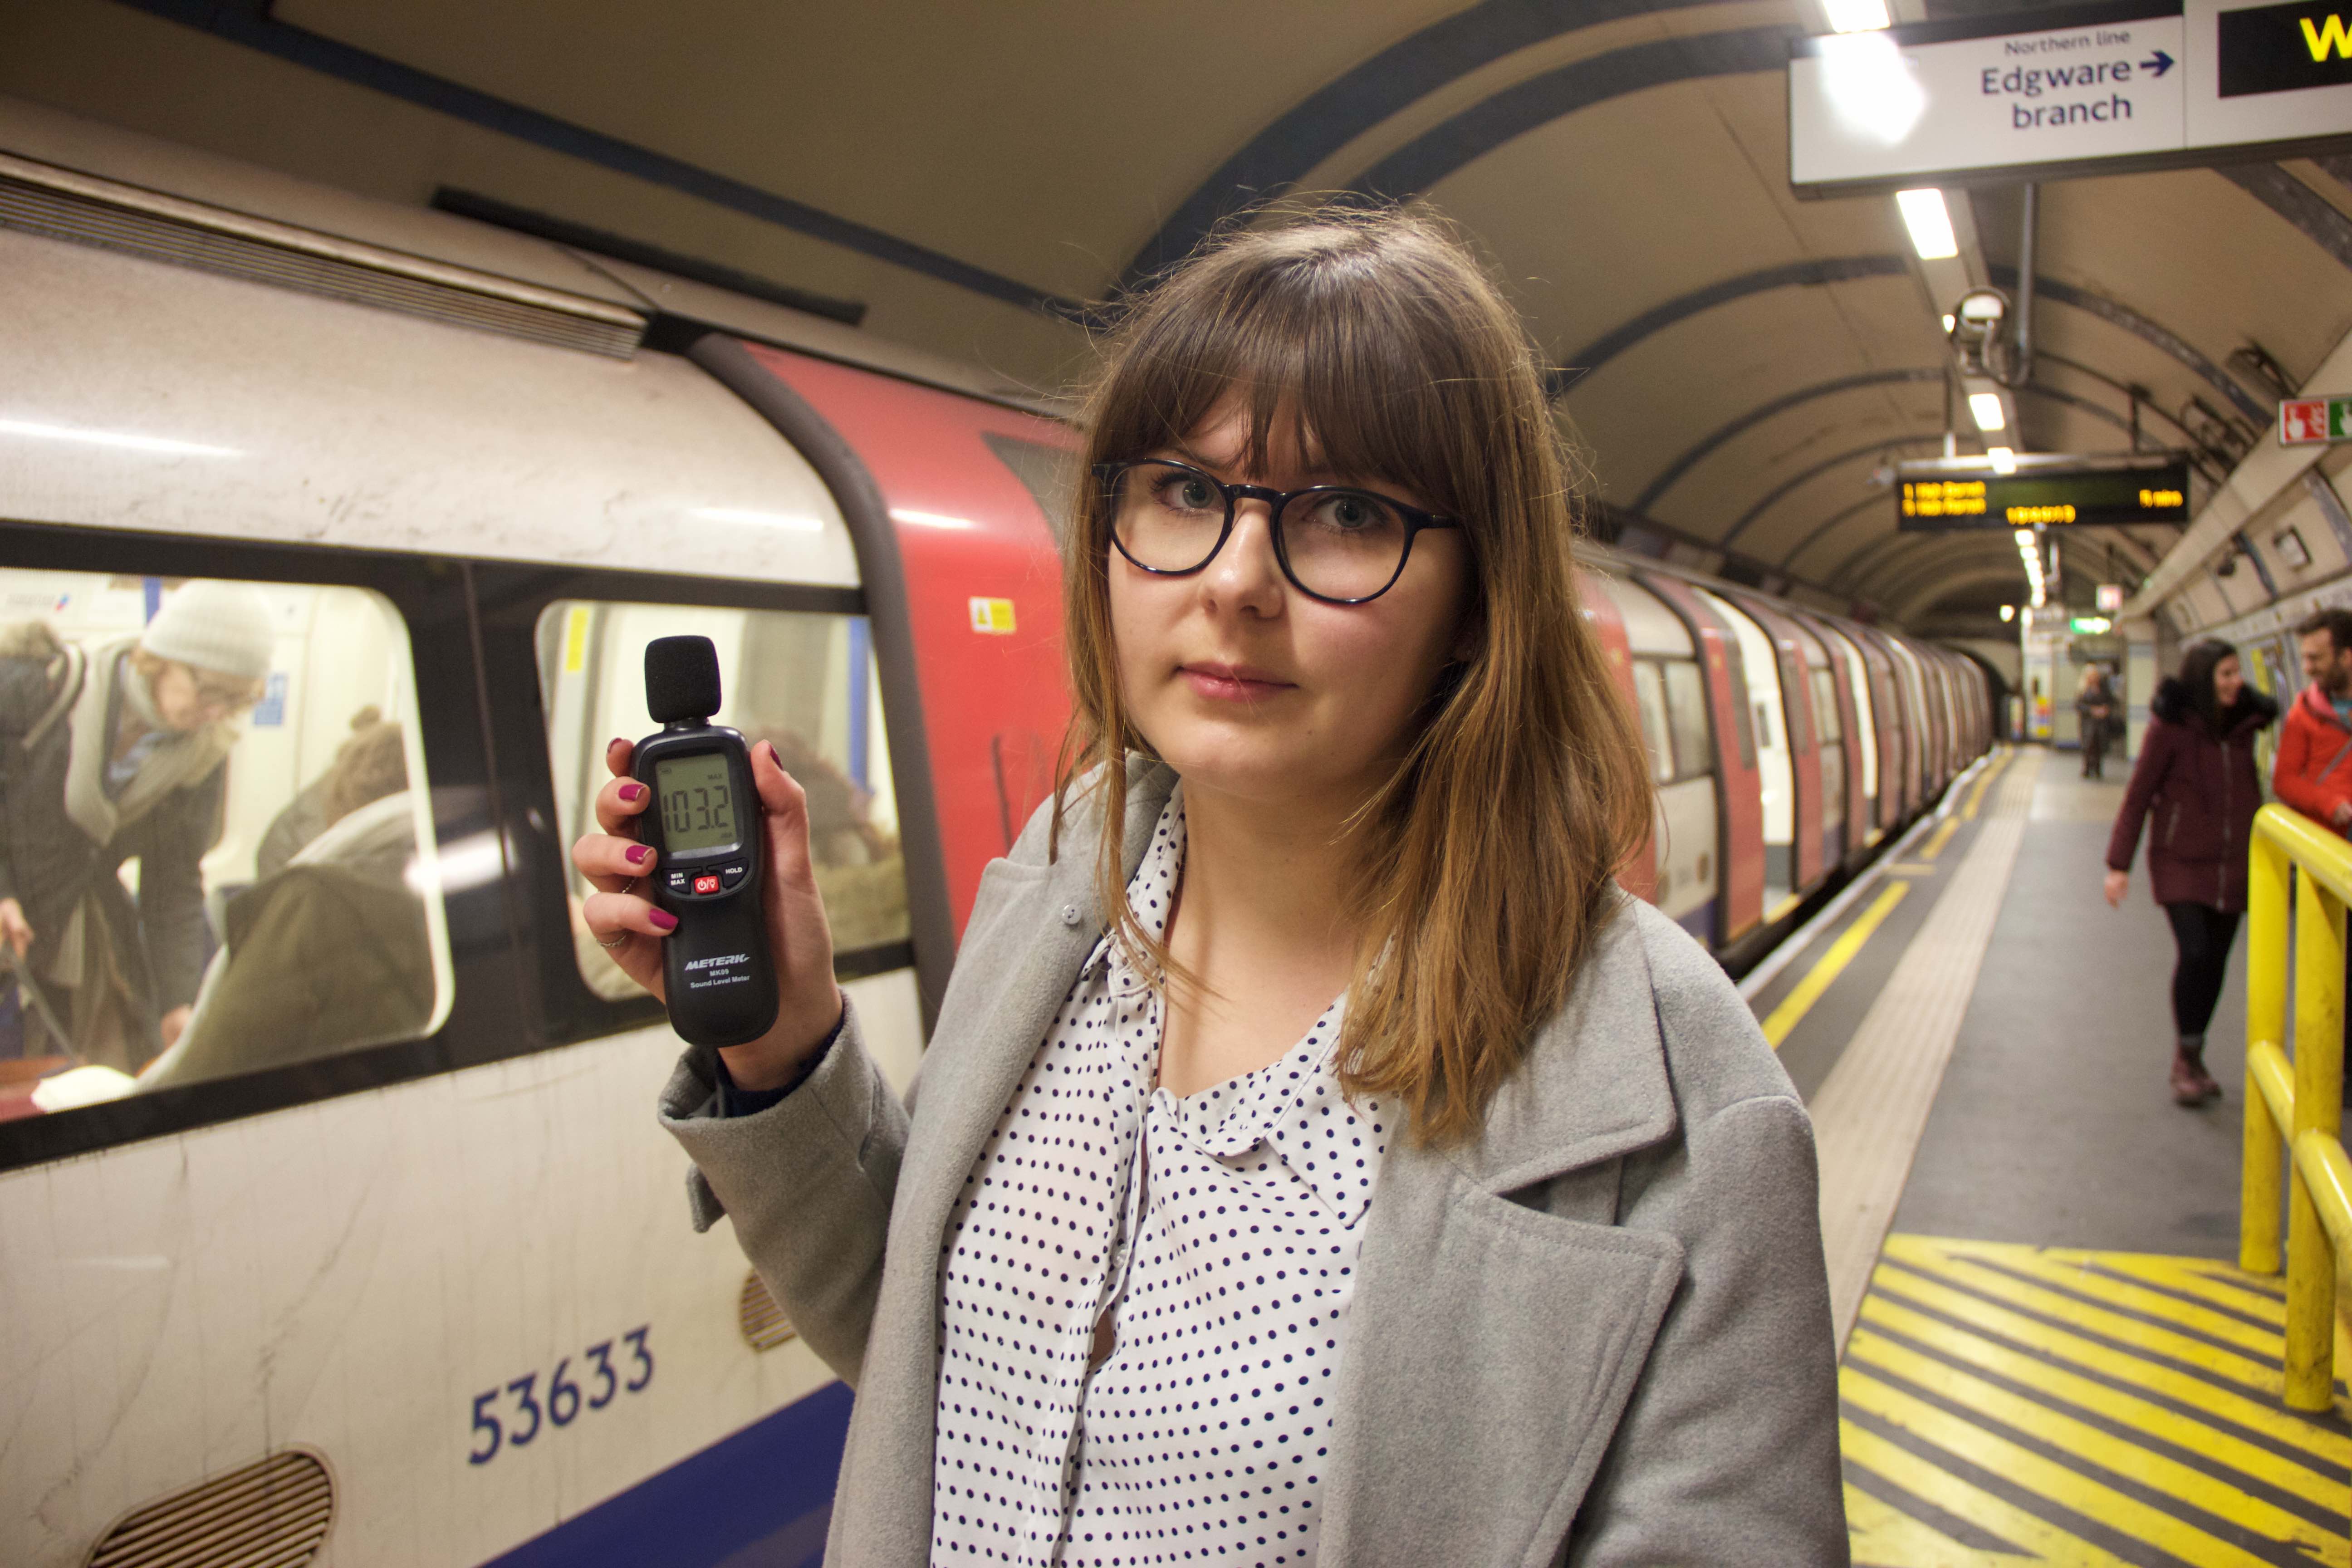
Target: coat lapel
{"points": [[1492, 1345], [1013, 973]]}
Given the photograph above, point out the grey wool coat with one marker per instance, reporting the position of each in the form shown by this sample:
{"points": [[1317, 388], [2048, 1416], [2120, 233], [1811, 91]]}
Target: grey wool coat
{"points": [[1597, 1334]]}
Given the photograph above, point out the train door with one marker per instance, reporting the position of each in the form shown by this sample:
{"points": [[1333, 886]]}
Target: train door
{"points": [[1802, 722], [1769, 705], [1899, 774], [1638, 875], [1862, 735], [1909, 703], [1717, 687], [951, 500], [1823, 683], [1687, 870]]}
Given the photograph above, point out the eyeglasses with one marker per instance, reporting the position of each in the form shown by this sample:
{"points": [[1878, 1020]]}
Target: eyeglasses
{"points": [[1342, 546]]}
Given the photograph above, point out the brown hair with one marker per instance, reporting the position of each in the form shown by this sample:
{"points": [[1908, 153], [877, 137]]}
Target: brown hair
{"points": [[1483, 866], [2334, 620], [369, 765]]}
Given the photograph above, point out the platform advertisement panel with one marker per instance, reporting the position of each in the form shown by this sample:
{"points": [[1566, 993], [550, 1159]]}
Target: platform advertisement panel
{"points": [[2138, 84]]}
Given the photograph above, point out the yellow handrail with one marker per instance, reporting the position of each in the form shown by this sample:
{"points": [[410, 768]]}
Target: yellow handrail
{"points": [[2298, 1108]]}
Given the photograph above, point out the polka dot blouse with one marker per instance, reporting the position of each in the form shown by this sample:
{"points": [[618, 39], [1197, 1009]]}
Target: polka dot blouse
{"points": [[1143, 1298]]}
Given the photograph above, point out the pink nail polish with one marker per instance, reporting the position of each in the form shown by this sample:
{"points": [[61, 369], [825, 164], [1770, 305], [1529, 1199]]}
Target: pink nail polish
{"points": [[664, 920], [630, 791], [637, 853]]}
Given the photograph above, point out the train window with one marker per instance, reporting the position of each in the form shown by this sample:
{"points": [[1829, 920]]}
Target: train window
{"points": [[1825, 708], [804, 681], [1649, 698], [217, 851], [1686, 713]]}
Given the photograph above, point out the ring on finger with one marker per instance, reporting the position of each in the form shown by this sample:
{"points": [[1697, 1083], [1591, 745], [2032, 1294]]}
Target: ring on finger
{"points": [[616, 941]]}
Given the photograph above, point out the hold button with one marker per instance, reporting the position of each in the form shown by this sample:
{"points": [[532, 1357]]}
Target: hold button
{"points": [[731, 874]]}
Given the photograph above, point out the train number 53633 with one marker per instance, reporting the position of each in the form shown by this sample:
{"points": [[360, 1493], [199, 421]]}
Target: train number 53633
{"points": [[597, 1384]]}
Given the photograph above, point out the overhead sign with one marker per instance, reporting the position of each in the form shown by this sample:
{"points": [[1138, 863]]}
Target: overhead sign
{"points": [[2141, 83], [2110, 597], [1938, 501], [2314, 421]]}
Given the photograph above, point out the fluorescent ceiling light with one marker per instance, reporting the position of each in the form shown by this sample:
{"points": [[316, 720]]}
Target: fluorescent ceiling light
{"points": [[1929, 221], [931, 519], [1856, 16], [1949, 322], [1986, 406], [2024, 537], [1870, 87], [114, 438], [2008, 612], [2004, 461]]}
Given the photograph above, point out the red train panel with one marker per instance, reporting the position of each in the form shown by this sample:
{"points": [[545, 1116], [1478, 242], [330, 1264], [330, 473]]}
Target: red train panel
{"points": [[983, 591]]}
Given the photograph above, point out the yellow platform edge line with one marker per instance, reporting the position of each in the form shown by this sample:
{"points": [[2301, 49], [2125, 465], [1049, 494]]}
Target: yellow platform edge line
{"points": [[2260, 1379], [2045, 1478], [2082, 1442], [1799, 1000], [2071, 1275], [2332, 1492], [1941, 837], [2038, 1541], [2325, 1444]]}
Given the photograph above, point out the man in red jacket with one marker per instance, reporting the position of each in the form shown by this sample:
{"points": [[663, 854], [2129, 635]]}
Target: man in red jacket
{"points": [[2314, 771]]}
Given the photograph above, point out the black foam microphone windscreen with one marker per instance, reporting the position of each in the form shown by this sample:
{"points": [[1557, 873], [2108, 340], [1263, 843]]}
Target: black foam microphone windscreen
{"points": [[681, 680]]}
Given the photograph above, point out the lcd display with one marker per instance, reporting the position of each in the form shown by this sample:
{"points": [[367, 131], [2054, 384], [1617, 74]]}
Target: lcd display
{"points": [[698, 803]]}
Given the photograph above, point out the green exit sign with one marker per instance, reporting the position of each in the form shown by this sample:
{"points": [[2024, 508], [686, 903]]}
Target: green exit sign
{"points": [[2310, 421], [2089, 625]]}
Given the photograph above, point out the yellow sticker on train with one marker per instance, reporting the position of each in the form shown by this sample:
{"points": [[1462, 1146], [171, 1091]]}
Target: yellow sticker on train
{"points": [[993, 617]]}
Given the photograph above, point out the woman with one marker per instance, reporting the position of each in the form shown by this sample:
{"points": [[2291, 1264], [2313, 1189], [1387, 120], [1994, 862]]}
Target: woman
{"points": [[1317, 1157], [114, 753], [2197, 769]]}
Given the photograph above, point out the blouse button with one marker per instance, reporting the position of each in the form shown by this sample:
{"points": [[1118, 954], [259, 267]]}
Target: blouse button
{"points": [[1069, 914]]}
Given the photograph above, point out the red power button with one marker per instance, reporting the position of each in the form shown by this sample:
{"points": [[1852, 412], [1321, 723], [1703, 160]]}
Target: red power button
{"points": [[706, 884]]}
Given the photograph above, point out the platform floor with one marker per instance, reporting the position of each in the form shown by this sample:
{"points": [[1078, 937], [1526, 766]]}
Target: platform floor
{"points": [[2048, 1355]]}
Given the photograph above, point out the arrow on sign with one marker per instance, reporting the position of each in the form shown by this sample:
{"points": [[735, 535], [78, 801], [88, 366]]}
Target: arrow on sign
{"points": [[2156, 64]]}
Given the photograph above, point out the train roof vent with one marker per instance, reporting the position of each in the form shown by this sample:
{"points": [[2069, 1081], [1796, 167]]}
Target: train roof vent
{"points": [[272, 1514], [765, 1323], [59, 204]]}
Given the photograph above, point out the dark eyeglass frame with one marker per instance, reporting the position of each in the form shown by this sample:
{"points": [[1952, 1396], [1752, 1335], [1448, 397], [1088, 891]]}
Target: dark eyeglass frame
{"points": [[1415, 520]]}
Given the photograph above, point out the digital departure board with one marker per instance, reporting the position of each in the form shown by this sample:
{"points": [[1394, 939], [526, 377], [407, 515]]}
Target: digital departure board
{"points": [[1927, 502]]}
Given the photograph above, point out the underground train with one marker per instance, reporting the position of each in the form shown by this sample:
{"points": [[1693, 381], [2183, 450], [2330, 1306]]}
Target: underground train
{"points": [[381, 1259]]}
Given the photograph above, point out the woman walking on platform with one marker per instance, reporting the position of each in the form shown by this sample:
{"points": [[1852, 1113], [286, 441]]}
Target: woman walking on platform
{"points": [[2196, 772], [1318, 1158]]}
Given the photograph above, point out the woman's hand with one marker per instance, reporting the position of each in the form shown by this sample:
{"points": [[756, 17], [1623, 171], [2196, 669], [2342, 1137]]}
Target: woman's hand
{"points": [[800, 942], [2117, 881]]}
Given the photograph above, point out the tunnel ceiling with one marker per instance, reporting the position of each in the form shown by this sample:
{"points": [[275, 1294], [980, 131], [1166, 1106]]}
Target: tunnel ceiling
{"points": [[1737, 361]]}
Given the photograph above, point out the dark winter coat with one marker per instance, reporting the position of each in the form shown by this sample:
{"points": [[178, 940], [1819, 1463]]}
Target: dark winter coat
{"points": [[2203, 791], [48, 864]]}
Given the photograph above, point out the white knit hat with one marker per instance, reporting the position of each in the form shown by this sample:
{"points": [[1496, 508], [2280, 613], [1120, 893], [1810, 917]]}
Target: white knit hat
{"points": [[220, 626]]}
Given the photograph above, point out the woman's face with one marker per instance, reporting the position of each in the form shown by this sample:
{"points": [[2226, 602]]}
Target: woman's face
{"points": [[1251, 689], [188, 697], [2229, 680]]}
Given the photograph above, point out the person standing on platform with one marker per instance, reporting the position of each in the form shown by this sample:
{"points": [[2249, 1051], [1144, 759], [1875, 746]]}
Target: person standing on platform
{"points": [[2094, 711], [1317, 1157], [2313, 773], [2196, 772]]}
